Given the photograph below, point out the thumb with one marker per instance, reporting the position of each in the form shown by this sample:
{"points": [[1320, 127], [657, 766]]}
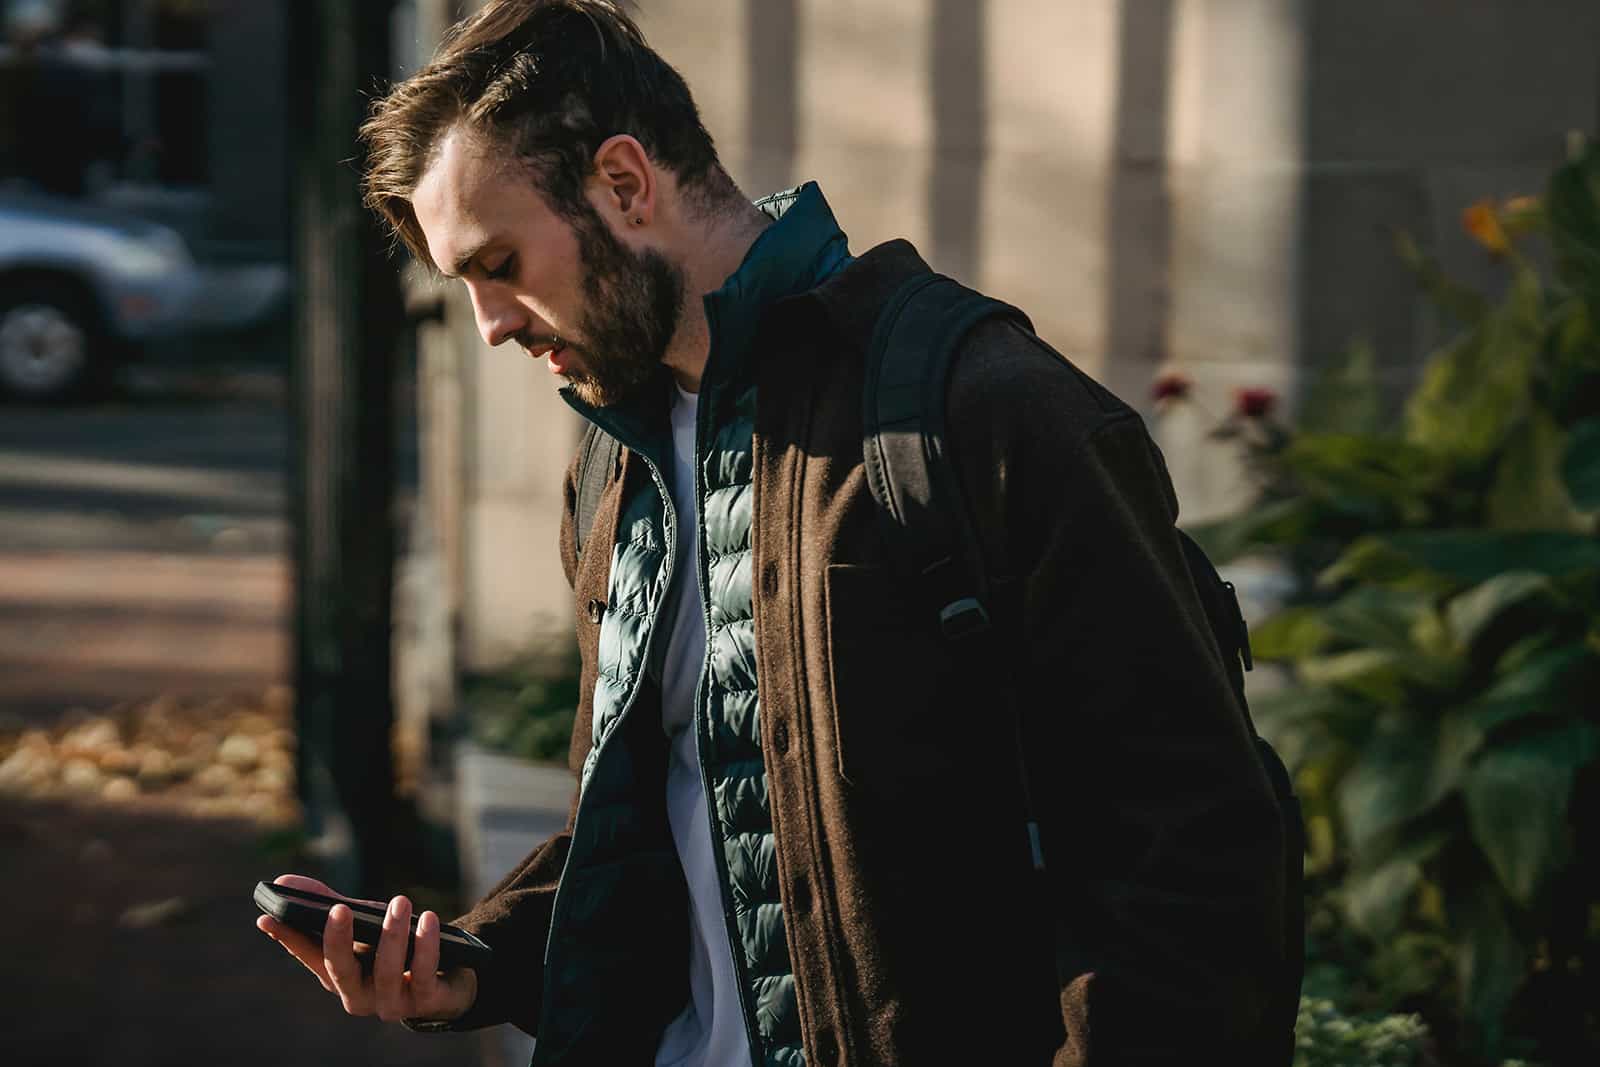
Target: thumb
{"points": [[458, 991]]}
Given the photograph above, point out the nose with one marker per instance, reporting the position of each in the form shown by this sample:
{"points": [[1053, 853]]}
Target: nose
{"points": [[499, 317]]}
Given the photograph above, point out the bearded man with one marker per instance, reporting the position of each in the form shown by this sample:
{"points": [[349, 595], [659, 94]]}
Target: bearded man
{"points": [[800, 828]]}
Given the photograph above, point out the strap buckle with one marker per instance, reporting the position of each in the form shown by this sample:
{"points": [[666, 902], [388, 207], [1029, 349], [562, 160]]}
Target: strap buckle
{"points": [[963, 618], [1244, 627]]}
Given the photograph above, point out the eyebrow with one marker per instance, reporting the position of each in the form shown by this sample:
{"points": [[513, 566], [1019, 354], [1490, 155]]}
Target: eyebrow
{"points": [[463, 261]]}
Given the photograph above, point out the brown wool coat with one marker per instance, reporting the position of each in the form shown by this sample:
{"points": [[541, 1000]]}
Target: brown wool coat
{"points": [[916, 927]]}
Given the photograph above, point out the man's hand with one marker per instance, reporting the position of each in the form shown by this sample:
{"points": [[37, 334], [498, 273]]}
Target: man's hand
{"points": [[390, 991]]}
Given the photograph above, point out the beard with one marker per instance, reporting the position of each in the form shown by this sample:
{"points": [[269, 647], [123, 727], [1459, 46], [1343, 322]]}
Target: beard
{"points": [[633, 302]]}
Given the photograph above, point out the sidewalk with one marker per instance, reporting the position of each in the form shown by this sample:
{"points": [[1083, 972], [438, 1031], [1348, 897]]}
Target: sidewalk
{"points": [[92, 628], [130, 940]]}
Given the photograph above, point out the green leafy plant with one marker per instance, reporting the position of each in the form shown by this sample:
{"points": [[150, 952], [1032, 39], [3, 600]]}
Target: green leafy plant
{"points": [[1325, 1037], [1443, 655], [526, 709]]}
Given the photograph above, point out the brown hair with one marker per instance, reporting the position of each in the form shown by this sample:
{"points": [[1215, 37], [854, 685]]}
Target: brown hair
{"points": [[550, 80]]}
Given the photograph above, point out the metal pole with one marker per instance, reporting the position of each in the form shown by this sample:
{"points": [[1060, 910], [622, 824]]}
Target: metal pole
{"points": [[348, 313]]}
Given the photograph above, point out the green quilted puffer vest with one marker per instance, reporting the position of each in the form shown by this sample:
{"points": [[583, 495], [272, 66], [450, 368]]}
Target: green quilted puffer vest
{"points": [[617, 853]]}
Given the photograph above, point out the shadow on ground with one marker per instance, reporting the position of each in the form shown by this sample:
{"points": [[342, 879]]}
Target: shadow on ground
{"points": [[131, 941]]}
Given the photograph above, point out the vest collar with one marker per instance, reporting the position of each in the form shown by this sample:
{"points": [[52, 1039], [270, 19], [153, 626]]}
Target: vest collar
{"points": [[801, 248]]}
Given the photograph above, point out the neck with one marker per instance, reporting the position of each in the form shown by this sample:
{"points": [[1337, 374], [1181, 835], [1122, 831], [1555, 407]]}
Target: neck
{"points": [[715, 250]]}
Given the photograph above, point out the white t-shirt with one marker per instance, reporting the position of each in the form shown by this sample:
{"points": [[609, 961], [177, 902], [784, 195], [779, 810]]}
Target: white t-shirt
{"points": [[710, 1032]]}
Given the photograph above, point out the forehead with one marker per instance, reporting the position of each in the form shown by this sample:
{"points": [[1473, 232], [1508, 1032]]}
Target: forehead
{"points": [[469, 197]]}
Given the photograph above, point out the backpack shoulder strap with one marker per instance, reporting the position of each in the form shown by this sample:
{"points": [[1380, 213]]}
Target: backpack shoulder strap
{"points": [[598, 452], [920, 502]]}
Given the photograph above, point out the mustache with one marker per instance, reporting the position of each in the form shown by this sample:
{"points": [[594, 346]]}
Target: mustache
{"points": [[536, 341]]}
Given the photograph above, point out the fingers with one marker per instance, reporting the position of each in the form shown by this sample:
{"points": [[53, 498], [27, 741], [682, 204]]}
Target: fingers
{"points": [[389, 969], [425, 988], [389, 990], [339, 959], [296, 944], [311, 885]]}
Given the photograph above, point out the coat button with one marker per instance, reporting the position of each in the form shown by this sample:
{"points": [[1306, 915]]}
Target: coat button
{"points": [[769, 579], [780, 737], [597, 608], [800, 896]]}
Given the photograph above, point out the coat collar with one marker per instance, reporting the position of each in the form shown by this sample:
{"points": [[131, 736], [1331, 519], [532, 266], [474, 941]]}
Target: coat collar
{"points": [[853, 297]]}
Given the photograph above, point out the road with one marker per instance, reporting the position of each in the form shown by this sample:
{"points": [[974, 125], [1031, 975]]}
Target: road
{"points": [[143, 545]]}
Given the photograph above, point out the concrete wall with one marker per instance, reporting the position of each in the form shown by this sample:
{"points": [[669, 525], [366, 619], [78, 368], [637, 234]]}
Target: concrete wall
{"points": [[1198, 183], [1414, 111]]}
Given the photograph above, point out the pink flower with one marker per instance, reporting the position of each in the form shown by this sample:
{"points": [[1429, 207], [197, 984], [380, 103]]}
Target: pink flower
{"points": [[1171, 385], [1255, 402]]}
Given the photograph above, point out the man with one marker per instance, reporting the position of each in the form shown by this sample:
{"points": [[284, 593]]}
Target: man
{"points": [[800, 833]]}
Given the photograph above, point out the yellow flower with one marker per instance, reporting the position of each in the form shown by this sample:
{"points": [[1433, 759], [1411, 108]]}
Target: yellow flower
{"points": [[1482, 223]]}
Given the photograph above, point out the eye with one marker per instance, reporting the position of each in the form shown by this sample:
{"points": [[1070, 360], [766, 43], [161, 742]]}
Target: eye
{"points": [[503, 271]]}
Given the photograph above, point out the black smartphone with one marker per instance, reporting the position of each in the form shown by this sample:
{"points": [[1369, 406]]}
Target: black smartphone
{"points": [[305, 911]]}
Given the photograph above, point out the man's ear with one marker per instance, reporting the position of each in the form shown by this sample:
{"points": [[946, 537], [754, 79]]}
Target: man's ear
{"points": [[624, 182]]}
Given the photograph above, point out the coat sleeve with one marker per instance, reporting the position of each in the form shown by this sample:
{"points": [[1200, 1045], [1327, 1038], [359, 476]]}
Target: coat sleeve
{"points": [[1163, 847], [513, 918]]}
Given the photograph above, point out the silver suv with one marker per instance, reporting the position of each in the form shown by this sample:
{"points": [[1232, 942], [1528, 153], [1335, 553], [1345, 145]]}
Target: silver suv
{"points": [[78, 286]]}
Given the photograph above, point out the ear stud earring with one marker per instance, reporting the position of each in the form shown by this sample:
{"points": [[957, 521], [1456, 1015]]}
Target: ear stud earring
{"points": [[638, 221]]}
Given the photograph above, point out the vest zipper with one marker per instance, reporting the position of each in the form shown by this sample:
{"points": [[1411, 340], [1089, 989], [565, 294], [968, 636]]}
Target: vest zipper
{"points": [[702, 726], [670, 522]]}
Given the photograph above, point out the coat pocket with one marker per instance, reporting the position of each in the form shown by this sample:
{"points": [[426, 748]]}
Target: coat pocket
{"points": [[906, 703]]}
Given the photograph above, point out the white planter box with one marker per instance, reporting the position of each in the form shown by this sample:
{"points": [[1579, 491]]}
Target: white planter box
{"points": [[505, 807]]}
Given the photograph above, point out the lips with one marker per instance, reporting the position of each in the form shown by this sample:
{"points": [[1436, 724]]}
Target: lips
{"points": [[555, 352]]}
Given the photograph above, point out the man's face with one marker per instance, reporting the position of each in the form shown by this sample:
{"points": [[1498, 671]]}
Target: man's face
{"points": [[601, 313]]}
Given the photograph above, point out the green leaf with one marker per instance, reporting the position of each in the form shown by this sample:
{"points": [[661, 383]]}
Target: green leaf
{"points": [[1366, 473], [1377, 616], [1375, 674], [1290, 634], [1580, 467], [1465, 305], [1373, 559], [1409, 963], [1552, 682], [1405, 769], [1516, 797], [1573, 206], [1529, 492], [1463, 555], [1295, 705], [1568, 373], [1303, 722], [1491, 961], [1376, 899], [1277, 522], [1347, 396], [1473, 610], [1476, 389]]}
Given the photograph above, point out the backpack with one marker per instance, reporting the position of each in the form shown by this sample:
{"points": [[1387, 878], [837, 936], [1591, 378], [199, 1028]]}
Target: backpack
{"points": [[923, 516]]}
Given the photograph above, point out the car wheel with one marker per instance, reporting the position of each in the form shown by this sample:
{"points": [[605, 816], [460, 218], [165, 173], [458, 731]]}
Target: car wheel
{"points": [[48, 342]]}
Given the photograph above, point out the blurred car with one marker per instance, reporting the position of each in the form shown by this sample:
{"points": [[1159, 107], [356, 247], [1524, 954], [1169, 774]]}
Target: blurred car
{"points": [[79, 287]]}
